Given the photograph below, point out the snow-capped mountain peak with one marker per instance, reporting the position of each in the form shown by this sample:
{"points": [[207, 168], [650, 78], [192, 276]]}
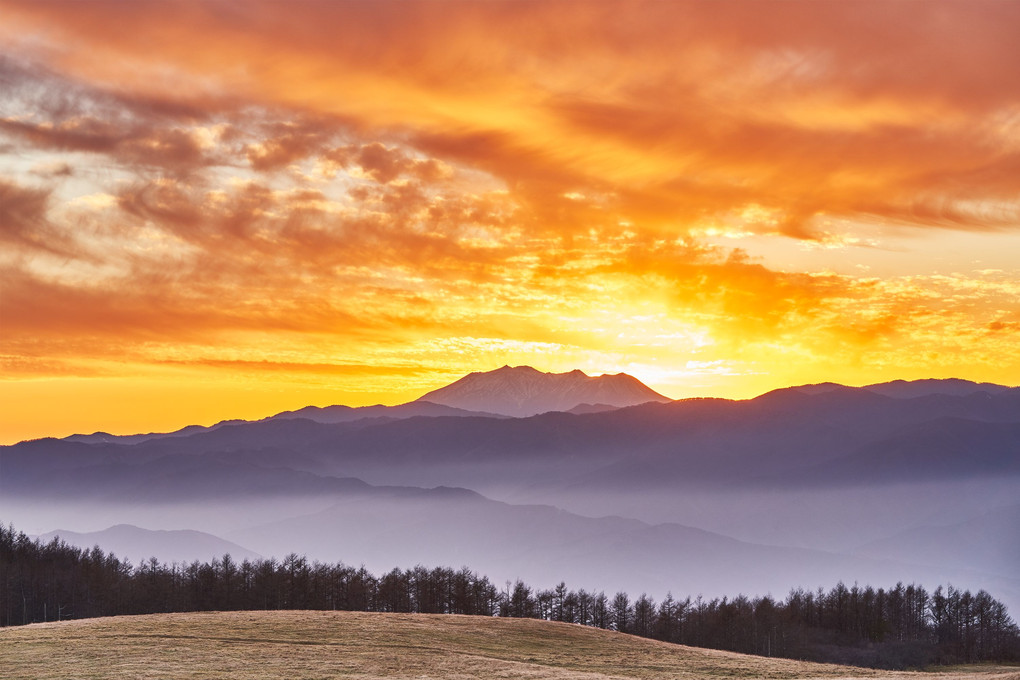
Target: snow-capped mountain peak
{"points": [[523, 391]]}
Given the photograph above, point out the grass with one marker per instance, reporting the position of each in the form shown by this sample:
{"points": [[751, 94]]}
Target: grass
{"points": [[317, 645]]}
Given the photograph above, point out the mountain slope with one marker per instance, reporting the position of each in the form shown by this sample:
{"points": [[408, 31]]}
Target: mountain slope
{"points": [[522, 391], [137, 544], [942, 448], [319, 414], [543, 545], [787, 437], [991, 541], [347, 414], [904, 389]]}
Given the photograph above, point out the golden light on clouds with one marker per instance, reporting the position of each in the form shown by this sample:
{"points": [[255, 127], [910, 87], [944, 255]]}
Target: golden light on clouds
{"points": [[229, 209]]}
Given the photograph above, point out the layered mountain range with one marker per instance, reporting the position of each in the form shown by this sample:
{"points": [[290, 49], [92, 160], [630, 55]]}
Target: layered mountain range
{"points": [[599, 481]]}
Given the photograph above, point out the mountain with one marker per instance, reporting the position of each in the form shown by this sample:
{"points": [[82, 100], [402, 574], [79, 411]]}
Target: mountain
{"points": [[319, 414], [903, 389], [137, 544], [823, 468], [543, 544], [347, 414], [107, 438], [782, 440], [818, 388], [523, 391], [582, 409], [990, 542], [942, 448]]}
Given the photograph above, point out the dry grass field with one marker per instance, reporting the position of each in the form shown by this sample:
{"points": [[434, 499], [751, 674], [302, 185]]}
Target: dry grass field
{"points": [[317, 645]]}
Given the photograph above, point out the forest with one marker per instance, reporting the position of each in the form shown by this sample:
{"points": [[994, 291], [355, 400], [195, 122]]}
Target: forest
{"points": [[898, 627]]}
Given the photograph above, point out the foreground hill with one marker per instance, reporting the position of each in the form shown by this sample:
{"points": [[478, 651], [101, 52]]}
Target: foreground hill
{"points": [[303, 645]]}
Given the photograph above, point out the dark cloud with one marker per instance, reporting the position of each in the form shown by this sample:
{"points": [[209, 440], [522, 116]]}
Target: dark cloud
{"points": [[280, 144], [25, 225], [138, 147]]}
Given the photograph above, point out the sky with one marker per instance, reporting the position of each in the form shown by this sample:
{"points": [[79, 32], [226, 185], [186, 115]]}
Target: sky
{"points": [[215, 210]]}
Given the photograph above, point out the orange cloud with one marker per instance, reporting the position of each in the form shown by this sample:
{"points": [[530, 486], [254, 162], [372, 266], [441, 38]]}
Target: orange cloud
{"points": [[678, 112], [359, 184]]}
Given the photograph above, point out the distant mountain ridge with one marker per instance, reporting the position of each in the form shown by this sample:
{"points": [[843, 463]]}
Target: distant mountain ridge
{"points": [[910, 389], [832, 436], [523, 391], [327, 415], [137, 544], [824, 468], [348, 414]]}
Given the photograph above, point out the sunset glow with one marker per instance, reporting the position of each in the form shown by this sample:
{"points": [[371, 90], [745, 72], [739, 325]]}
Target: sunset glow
{"points": [[214, 210]]}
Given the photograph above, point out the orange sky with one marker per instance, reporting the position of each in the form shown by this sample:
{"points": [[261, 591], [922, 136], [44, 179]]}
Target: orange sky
{"points": [[213, 210]]}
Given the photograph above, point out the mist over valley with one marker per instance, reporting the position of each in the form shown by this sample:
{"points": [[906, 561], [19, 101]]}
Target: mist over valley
{"points": [[802, 487]]}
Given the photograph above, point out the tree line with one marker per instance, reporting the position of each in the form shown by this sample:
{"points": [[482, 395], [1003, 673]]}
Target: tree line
{"points": [[899, 627]]}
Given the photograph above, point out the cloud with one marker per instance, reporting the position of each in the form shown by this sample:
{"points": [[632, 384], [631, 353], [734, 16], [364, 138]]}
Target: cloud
{"points": [[682, 111], [24, 221], [313, 175], [138, 146], [298, 367], [283, 143]]}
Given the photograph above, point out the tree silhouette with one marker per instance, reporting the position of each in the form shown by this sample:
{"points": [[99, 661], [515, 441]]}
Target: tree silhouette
{"points": [[901, 627]]}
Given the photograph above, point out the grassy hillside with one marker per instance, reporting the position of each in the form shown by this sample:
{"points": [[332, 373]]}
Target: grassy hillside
{"points": [[306, 645]]}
